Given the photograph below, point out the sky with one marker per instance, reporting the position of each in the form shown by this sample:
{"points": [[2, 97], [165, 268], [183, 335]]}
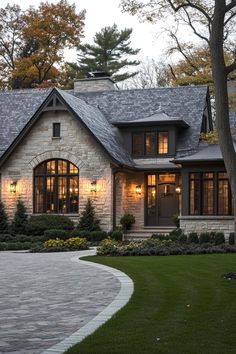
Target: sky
{"points": [[100, 13]]}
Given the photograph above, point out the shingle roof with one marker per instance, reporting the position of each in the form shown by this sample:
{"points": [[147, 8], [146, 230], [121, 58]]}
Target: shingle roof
{"points": [[99, 127], [186, 103], [16, 109], [98, 110]]}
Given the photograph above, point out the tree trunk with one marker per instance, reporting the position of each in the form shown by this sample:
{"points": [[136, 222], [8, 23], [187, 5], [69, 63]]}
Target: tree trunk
{"points": [[221, 98]]}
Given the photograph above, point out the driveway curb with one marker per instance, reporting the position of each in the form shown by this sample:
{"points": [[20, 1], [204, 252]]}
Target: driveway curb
{"points": [[125, 293]]}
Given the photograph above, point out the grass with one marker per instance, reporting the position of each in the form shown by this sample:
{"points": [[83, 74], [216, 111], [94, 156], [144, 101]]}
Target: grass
{"points": [[182, 300]]}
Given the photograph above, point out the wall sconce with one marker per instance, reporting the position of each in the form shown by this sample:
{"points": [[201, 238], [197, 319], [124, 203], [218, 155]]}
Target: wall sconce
{"points": [[93, 187], [178, 189], [13, 187], [138, 189]]}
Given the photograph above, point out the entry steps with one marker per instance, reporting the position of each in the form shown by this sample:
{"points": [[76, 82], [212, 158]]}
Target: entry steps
{"points": [[146, 232]]}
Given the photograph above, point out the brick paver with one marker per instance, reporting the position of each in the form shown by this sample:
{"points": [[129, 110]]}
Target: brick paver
{"points": [[44, 298]]}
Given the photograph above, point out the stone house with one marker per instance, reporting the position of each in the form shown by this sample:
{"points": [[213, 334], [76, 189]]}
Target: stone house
{"points": [[136, 151]]}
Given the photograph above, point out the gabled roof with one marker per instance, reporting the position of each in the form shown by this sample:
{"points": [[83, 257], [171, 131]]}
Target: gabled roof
{"points": [[90, 116], [186, 102]]}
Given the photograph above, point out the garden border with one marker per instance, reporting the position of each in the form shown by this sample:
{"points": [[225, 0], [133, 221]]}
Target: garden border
{"points": [[122, 298]]}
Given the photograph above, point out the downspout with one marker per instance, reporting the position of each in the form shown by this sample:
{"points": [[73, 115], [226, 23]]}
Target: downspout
{"points": [[114, 200]]}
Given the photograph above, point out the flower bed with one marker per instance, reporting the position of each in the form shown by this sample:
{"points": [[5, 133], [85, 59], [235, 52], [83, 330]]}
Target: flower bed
{"points": [[72, 244]]}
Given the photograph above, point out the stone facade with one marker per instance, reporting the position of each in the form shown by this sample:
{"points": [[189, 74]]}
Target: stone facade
{"points": [[94, 84], [75, 145], [207, 224], [127, 200]]}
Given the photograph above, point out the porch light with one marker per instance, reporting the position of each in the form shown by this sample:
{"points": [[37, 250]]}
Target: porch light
{"points": [[13, 187], [93, 187], [138, 189], [178, 189]]}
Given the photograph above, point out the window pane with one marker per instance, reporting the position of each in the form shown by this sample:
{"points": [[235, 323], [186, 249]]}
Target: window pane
{"points": [[167, 177], [39, 194], [194, 197], [40, 169], [138, 144], [151, 180], [163, 139], [223, 197], [51, 167], [50, 195], [208, 197], [151, 197], [62, 193], [194, 175], [208, 175], [73, 168], [150, 143], [62, 167], [74, 194], [222, 175]]}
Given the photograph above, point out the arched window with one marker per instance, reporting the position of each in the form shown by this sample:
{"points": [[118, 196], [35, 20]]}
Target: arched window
{"points": [[56, 187]]}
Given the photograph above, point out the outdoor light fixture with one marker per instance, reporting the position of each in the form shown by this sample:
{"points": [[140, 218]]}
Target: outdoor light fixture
{"points": [[138, 189], [13, 187], [178, 190], [93, 187]]}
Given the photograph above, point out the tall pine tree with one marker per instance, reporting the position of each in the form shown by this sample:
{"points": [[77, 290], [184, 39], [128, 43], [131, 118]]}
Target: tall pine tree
{"points": [[110, 53], [20, 219]]}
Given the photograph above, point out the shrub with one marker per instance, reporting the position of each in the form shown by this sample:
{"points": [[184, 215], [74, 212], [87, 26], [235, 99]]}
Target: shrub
{"points": [[19, 222], [3, 219], [96, 236], [6, 238], [127, 220], [160, 237], [219, 238], [87, 220], [116, 235], [107, 247], [176, 220], [55, 233], [231, 238], [14, 246], [205, 237], [193, 237], [38, 224], [72, 244], [80, 233], [175, 234]]}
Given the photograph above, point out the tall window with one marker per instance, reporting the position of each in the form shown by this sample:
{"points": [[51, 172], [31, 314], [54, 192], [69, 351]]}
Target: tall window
{"points": [[163, 143], [210, 194], [56, 187]]}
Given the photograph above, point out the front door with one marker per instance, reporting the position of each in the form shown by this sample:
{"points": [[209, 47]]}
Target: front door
{"points": [[162, 201]]}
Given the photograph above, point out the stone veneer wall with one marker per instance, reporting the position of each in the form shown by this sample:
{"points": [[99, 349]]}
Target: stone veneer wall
{"points": [[76, 145], [127, 199], [207, 224]]}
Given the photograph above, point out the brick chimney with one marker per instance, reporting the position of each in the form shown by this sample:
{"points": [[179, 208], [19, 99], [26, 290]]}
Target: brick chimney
{"points": [[95, 81]]}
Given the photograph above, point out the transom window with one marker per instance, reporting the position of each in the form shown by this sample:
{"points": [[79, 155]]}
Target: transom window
{"points": [[150, 143], [210, 194], [56, 187]]}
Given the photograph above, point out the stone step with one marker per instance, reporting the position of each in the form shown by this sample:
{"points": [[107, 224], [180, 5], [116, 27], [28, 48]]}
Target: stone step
{"points": [[142, 234]]}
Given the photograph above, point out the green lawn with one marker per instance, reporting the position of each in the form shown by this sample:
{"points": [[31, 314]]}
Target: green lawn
{"points": [[183, 300]]}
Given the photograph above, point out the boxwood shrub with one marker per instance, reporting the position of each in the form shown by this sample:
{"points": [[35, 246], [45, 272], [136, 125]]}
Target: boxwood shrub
{"points": [[205, 237], [37, 224], [56, 233], [231, 238], [193, 237]]}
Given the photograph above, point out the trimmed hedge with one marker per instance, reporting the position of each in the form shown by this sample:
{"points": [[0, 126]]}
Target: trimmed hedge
{"points": [[40, 223], [231, 238], [21, 238], [14, 246], [55, 233], [151, 247]]}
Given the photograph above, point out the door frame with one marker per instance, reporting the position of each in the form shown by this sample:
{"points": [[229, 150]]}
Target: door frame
{"points": [[177, 183]]}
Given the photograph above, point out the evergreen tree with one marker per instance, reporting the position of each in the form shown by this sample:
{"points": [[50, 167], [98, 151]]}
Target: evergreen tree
{"points": [[87, 220], [109, 53], [20, 219], [3, 219]]}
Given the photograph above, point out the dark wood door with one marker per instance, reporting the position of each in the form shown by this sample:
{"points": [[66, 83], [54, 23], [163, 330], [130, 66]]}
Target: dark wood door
{"points": [[161, 199], [167, 204]]}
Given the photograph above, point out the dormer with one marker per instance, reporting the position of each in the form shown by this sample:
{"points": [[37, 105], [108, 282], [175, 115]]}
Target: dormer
{"points": [[153, 136]]}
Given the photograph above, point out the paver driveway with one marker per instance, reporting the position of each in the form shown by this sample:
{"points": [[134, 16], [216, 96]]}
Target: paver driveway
{"points": [[46, 297]]}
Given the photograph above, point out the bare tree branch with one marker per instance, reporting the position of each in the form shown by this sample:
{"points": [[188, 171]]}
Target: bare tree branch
{"points": [[194, 28], [187, 4]]}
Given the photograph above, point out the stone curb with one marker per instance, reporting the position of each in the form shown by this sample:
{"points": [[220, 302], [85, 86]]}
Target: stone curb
{"points": [[126, 290]]}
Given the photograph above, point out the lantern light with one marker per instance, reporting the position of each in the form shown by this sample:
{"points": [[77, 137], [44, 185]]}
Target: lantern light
{"points": [[138, 189], [93, 187], [13, 187], [178, 189]]}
